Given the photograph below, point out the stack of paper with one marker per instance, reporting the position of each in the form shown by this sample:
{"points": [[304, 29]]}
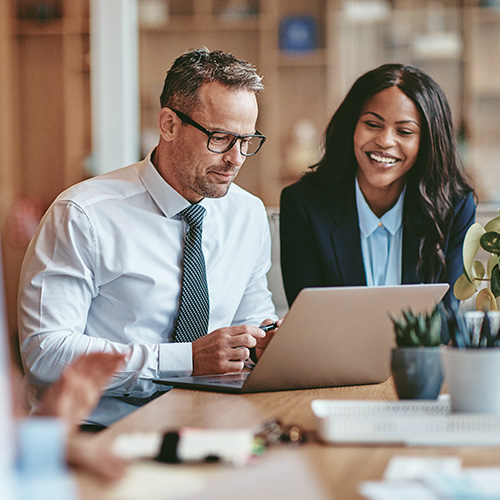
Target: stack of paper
{"points": [[439, 478]]}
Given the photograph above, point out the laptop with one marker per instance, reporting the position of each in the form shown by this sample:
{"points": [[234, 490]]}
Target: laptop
{"points": [[330, 337]]}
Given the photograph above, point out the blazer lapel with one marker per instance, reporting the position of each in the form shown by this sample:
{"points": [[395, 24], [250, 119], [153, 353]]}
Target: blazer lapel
{"points": [[346, 243], [413, 228], [411, 245]]}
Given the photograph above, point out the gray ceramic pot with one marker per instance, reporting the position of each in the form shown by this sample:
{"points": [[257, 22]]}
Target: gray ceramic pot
{"points": [[417, 372]]}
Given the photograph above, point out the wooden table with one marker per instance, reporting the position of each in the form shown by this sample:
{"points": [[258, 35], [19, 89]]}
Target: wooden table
{"points": [[336, 470]]}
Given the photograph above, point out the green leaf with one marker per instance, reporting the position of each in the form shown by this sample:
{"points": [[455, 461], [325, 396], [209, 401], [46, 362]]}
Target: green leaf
{"points": [[491, 242], [422, 328], [495, 281], [434, 327], [477, 270], [492, 262], [399, 324], [413, 339], [485, 300], [471, 246], [411, 320], [463, 288], [493, 225]]}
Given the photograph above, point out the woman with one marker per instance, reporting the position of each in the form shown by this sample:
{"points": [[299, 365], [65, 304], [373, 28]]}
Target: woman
{"points": [[389, 202]]}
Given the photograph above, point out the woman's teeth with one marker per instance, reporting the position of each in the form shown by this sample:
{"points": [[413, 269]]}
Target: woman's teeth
{"points": [[383, 159]]}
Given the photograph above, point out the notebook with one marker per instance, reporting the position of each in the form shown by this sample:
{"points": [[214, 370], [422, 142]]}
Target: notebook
{"points": [[330, 337]]}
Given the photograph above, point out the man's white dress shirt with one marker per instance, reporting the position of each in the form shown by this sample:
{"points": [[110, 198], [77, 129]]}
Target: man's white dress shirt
{"points": [[381, 241], [103, 273]]}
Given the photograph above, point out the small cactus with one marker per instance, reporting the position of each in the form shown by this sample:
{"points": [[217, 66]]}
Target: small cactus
{"points": [[418, 329]]}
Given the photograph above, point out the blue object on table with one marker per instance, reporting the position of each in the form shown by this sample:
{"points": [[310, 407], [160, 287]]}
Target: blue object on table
{"points": [[42, 473], [298, 34]]}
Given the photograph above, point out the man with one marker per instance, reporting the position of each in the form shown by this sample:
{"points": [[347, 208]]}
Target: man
{"points": [[118, 264]]}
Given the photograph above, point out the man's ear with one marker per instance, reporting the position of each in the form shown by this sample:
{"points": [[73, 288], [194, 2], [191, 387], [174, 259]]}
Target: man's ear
{"points": [[168, 123]]}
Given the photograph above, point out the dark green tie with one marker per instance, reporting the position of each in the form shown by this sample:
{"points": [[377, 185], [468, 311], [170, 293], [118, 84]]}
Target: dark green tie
{"points": [[194, 310]]}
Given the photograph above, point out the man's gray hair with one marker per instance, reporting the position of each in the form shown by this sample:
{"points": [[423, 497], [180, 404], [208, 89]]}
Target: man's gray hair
{"points": [[196, 67]]}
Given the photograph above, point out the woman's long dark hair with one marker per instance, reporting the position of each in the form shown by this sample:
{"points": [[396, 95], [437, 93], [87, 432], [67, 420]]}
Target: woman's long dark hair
{"points": [[436, 180]]}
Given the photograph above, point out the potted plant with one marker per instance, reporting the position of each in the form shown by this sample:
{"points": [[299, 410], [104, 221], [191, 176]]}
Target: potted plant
{"points": [[479, 238], [416, 362], [472, 363]]}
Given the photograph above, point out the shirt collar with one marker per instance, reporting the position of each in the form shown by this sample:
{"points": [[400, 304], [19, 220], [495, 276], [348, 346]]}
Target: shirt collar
{"points": [[165, 196], [368, 221]]}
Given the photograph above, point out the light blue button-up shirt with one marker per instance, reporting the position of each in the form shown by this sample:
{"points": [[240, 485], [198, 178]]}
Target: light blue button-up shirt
{"points": [[381, 241]]}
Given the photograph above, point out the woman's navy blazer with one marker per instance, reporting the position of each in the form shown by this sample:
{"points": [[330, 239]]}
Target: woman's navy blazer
{"points": [[321, 244]]}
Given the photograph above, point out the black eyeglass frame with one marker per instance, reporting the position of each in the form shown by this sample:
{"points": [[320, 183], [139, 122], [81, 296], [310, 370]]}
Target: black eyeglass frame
{"points": [[210, 133]]}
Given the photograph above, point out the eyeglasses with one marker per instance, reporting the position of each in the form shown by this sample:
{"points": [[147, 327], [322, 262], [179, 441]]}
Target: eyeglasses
{"points": [[220, 141]]}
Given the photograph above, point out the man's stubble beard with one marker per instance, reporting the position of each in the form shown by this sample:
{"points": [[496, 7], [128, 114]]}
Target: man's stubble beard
{"points": [[210, 189]]}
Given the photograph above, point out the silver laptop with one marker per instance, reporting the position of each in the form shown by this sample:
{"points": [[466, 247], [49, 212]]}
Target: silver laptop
{"points": [[330, 337]]}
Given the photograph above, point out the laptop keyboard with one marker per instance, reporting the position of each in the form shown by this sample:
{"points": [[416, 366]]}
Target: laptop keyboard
{"points": [[232, 383], [229, 380]]}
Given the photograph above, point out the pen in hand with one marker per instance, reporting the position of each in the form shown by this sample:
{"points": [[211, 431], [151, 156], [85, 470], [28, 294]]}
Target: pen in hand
{"points": [[268, 328]]}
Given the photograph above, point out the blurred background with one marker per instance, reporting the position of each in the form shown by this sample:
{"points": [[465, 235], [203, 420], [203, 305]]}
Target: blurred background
{"points": [[309, 52]]}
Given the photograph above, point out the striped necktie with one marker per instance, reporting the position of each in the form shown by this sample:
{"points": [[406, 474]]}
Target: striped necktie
{"points": [[192, 322]]}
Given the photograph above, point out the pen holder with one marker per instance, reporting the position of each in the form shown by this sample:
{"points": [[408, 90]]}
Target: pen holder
{"points": [[471, 378]]}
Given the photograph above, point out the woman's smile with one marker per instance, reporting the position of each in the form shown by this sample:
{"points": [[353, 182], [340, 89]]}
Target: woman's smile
{"points": [[386, 145]]}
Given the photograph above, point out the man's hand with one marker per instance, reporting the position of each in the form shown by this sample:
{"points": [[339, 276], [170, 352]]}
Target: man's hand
{"points": [[264, 341], [225, 350]]}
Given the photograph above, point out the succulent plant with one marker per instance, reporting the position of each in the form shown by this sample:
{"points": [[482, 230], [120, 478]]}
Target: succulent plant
{"points": [[418, 329], [462, 335], [486, 238]]}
